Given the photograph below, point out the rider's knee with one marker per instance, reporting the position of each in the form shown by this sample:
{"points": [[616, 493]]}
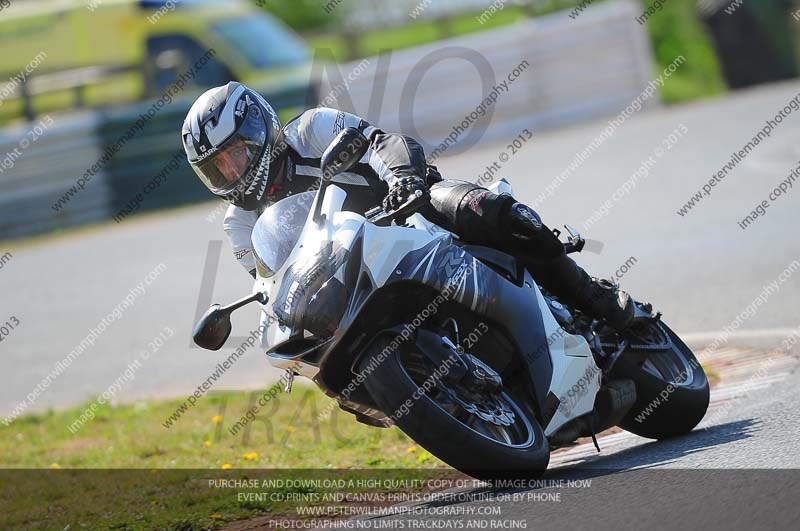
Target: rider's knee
{"points": [[524, 226]]}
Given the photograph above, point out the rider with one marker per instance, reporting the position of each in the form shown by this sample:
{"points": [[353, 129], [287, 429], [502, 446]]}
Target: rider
{"points": [[236, 145]]}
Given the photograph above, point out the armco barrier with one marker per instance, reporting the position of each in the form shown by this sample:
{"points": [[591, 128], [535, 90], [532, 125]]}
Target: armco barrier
{"points": [[582, 68]]}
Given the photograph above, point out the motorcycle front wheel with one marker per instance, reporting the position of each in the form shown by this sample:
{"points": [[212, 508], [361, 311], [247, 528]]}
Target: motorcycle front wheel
{"points": [[487, 435]]}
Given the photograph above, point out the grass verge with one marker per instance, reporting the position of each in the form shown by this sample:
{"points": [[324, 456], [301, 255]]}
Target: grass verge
{"points": [[298, 430], [295, 435]]}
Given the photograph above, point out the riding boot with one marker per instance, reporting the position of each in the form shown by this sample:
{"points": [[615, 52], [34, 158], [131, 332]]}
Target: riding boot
{"points": [[602, 299], [595, 297]]}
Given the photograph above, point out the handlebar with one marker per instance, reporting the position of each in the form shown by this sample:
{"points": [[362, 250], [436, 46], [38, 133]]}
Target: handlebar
{"points": [[377, 216]]}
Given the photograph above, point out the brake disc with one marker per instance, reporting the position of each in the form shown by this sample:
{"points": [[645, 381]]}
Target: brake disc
{"points": [[488, 408]]}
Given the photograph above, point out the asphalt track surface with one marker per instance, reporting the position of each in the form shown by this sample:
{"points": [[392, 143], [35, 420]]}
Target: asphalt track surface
{"points": [[737, 470], [701, 270]]}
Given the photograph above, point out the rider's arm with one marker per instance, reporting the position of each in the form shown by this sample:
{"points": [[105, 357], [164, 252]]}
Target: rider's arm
{"points": [[238, 225], [390, 155]]}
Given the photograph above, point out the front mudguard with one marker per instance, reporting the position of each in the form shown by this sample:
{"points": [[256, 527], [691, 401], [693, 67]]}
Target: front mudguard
{"points": [[429, 344]]}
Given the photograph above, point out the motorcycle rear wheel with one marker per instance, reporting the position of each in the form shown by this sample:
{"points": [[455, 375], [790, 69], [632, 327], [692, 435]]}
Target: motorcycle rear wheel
{"points": [[672, 391]]}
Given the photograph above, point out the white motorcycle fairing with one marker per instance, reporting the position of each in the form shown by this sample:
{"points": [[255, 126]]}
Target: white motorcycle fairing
{"points": [[319, 289]]}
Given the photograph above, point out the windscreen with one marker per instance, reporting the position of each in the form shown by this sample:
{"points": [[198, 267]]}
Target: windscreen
{"points": [[278, 229]]}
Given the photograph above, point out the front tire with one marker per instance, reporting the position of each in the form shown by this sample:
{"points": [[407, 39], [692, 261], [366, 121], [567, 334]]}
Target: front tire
{"points": [[424, 409], [672, 391]]}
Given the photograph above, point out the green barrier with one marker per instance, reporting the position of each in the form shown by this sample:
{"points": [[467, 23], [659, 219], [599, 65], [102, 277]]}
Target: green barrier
{"points": [[754, 40], [63, 171]]}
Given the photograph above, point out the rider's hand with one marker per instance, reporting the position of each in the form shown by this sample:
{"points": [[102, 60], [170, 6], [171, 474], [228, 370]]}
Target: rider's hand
{"points": [[402, 190]]}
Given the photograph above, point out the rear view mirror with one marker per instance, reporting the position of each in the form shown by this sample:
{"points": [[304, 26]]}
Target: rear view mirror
{"points": [[213, 329], [343, 153]]}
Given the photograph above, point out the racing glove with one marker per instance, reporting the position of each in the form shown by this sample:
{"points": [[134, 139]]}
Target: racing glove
{"points": [[402, 190]]}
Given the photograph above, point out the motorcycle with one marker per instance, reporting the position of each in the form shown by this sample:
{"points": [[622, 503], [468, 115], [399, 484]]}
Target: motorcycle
{"points": [[455, 344]]}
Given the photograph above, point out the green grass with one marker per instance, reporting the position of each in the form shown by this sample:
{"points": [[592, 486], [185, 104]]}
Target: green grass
{"points": [[287, 438], [677, 30], [288, 434], [416, 34], [190, 499]]}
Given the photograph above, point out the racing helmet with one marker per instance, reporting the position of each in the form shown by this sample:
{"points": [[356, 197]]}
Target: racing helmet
{"points": [[229, 138]]}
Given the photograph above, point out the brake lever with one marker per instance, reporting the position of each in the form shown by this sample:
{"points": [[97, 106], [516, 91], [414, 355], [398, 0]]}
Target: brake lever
{"points": [[419, 200]]}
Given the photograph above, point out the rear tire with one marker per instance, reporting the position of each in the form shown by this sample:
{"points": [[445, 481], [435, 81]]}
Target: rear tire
{"points": [[665, 407], [429, 423]]}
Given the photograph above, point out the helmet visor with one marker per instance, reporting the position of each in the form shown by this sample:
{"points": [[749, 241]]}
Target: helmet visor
{"points": [[236, 157]]}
